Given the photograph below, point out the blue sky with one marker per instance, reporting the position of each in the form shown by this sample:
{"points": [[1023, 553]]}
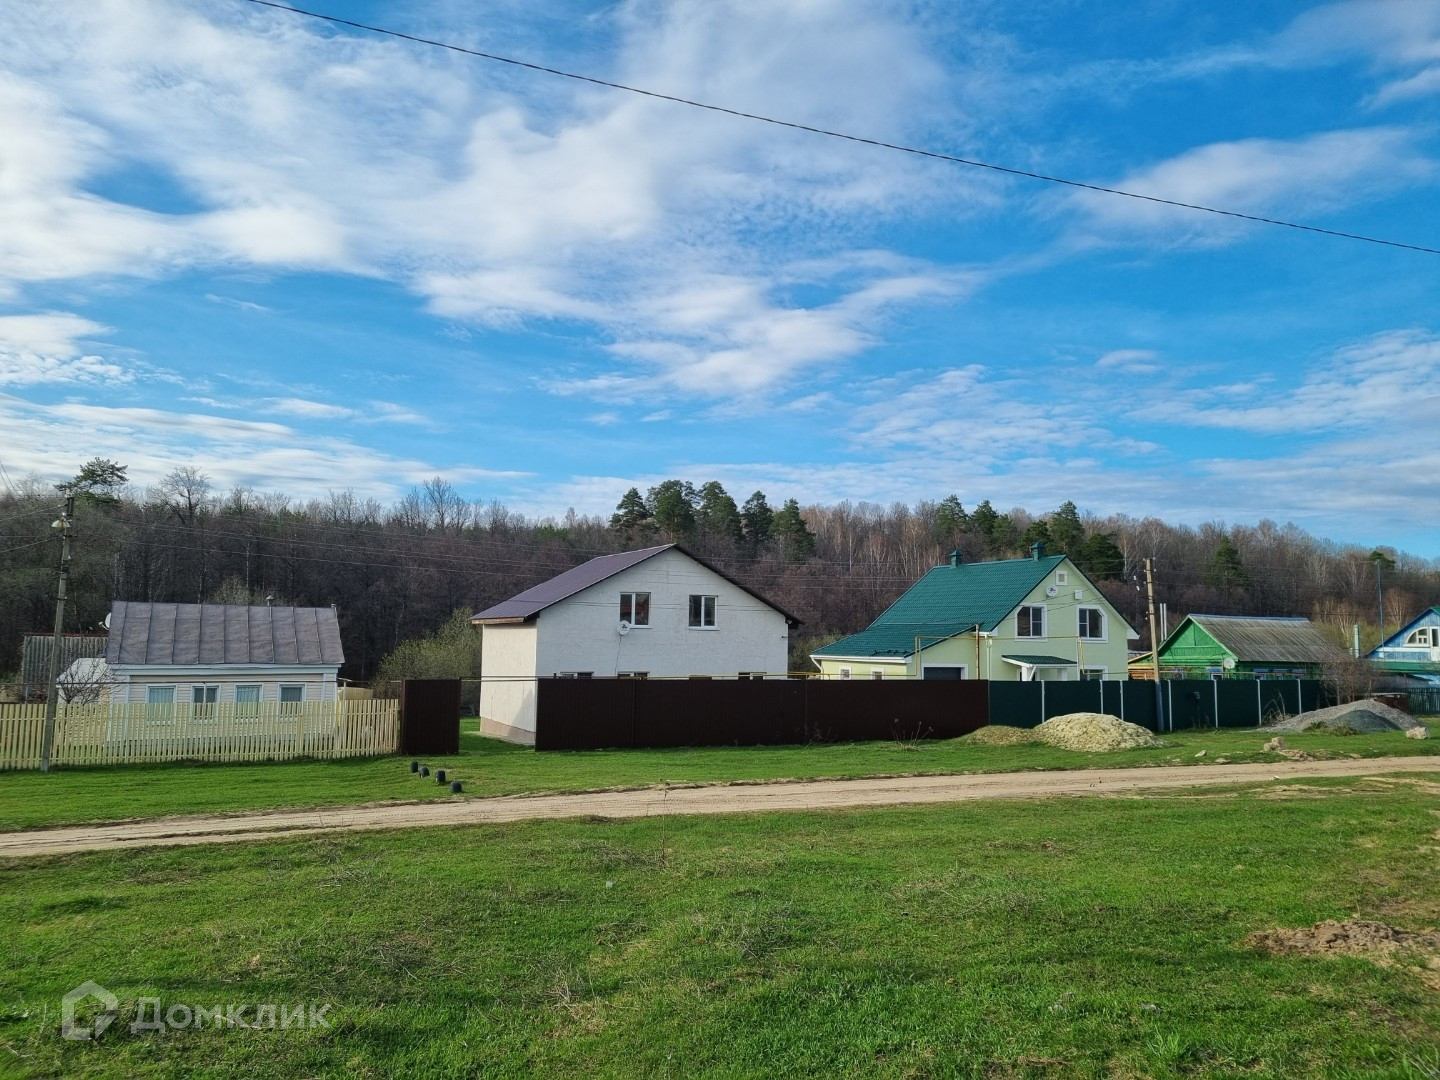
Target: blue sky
{"points": [[308, 259]]}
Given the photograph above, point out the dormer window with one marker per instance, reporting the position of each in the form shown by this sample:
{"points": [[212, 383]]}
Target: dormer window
{"points": [[1062, 577], [1427, 637]]}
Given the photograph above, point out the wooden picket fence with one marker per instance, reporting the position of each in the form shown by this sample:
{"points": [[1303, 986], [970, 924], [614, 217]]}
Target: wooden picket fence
{"points": [[127, 734]]}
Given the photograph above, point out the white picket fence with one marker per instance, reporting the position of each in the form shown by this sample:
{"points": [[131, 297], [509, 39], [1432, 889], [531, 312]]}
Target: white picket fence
{"points": [[235, 731]]}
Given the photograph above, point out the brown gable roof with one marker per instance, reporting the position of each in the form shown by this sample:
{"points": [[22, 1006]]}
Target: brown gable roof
{"points": [[526, 605], [189, 635]]}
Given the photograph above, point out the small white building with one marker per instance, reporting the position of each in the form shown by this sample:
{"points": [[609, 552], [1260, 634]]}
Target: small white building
{"points": [[205, 654], [657, 612]]}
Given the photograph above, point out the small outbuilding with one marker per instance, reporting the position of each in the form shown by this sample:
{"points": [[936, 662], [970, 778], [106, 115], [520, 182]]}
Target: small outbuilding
{"points": [[659, 612], [1247, 647]]}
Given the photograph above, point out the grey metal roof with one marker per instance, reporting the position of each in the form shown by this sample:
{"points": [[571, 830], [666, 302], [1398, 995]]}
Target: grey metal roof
{"points": [[1257, 639], [35, 654], [532, 601], [193, 634]]}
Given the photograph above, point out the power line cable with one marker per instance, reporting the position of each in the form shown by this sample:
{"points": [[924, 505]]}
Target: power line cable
{"points": [[880, 143]]}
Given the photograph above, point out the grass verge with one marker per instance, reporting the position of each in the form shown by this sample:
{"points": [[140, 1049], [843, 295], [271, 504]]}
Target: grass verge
{"points": [[1096, 937], [490, 767]]}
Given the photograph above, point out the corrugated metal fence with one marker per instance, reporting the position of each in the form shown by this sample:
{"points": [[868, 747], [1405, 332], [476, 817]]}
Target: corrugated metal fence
{"points": [[592, 714], [245, 731]]}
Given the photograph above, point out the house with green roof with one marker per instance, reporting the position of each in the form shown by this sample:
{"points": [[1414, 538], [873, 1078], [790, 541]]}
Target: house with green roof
{"points": [[1245, 647], [1016, 620]]}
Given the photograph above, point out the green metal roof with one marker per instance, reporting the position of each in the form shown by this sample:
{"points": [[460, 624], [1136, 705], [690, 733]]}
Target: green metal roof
{"points": [[1038, 660], [948, 600]]}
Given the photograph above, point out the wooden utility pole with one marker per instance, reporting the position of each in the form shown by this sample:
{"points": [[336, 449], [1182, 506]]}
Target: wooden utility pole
{"points": [[52, 689], [1154, 642]]}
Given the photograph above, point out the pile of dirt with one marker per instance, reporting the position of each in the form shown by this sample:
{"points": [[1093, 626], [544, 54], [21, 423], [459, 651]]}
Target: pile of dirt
{"points": [[1367, 716], [1353, 937], [1001, 735], [1096, 732]]}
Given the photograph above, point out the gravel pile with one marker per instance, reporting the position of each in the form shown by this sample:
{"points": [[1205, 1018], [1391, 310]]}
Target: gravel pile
{"points": [[1367, 716], [1001, 735], [1095, 732]]}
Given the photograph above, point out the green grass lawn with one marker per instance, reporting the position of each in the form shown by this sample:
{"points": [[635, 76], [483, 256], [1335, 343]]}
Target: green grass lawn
{"points": [[490, 767], [1094, 937]]}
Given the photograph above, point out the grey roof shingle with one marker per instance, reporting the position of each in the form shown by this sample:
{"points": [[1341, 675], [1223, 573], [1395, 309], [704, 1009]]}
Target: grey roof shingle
{"points": [[532, 601], [187, 635], [1257, 639]]}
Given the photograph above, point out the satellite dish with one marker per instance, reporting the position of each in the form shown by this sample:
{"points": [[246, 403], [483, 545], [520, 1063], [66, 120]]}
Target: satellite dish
{"points": [[105, 622], [1228, 663], [624, 627], [1051, 591]]}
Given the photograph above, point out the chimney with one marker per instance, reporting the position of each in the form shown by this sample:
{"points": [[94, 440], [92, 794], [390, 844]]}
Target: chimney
{"points": [[1037, 550], [955, 559]]}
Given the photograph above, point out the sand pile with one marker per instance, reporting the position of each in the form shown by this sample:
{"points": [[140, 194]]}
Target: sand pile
{"points": [[1001, 735], [1094, 732], [1367, 715]]}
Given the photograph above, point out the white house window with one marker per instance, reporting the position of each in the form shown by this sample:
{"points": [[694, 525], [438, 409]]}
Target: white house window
{"points": [[576, 675], [204, 695], [635, 608], [844, 673], [632, 674], [1092, 674], [1092, 623], [247, 699], [1424, 638], [291, 696], [160, 695], [1062, 577], [877, 673], [1030, 622], [702, 612]]}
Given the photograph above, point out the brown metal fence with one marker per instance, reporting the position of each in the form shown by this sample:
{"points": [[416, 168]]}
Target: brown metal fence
{"points": [[593, 714], [430, 716]]}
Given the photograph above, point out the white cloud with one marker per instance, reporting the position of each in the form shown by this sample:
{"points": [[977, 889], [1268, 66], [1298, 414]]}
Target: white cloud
{"points": [[36, 349], [1130, 361], [1312, 175]]}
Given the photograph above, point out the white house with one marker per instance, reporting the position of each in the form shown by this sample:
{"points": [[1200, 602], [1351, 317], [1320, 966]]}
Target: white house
{"points": [[657, 612], [204, 654]]}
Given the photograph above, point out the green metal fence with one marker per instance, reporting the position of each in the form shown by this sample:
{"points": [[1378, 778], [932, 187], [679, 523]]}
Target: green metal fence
{"points": [[1180, 703]]}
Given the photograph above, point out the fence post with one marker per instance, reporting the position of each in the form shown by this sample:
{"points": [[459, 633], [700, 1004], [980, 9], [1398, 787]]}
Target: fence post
{"points": [[1259, 704], [1215, 684], [1042, 699], [1170, 696]]}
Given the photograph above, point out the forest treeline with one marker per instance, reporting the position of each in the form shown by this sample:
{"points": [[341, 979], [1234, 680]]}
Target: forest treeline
{"points": [[397, 572]]}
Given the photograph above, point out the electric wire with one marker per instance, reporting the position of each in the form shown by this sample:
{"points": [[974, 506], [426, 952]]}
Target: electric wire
{"points": [[973, 163]]}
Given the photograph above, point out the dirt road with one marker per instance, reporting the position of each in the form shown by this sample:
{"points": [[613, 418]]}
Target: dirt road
{"points": [[650, 802]]}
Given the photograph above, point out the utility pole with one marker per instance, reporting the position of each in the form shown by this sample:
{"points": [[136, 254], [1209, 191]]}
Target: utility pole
{"points": [[1154, 643], [52, 689]]}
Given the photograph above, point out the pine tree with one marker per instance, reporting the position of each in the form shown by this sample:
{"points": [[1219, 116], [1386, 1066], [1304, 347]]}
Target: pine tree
{"points": [[797, 542], [1225, 570], [756, 518], [1100, 558], [672, 505], [1038, 533], [632, 517], [96, 483], [717, 514], [1067, 532], [950, 521]]}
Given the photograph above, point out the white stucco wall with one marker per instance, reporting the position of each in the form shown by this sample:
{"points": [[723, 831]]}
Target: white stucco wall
{"points": [[507, 683], [579, 634]]}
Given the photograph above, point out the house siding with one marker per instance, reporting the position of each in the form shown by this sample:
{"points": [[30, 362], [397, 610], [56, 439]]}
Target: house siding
{"points": [[131, 685], [1062, 639], [507, 686]]}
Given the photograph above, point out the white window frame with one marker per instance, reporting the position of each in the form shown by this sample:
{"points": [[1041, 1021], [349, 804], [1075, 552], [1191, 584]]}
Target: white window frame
{"points": [[152, 699], [209, 693], [714, 611], [280, 694], [631, 599], [1422, 637], [249, 708], [877, 673], [632, 674], [846, 673], [160, 711], [1044, 622], [575, 674], [1080, 613], [1092, 674], [1062, 577]]}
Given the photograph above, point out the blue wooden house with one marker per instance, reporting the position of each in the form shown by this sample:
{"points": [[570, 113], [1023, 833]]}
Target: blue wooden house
{"points": [[1413, 652]]}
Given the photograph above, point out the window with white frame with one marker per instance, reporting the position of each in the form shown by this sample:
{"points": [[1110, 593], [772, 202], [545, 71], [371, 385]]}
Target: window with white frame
{"points": [[1062, 577], [292, 695], [1092, 674], [1030, 621], [576, 675], [1425, 638], [702, 612], [247, 699], [845, 673], [632, 674], [204, 695], [1092, 623], [877, 673], [635, 608], [160, 695]]}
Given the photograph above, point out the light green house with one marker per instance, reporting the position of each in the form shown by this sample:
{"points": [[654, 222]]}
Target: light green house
{"points": [[1012, 620]]}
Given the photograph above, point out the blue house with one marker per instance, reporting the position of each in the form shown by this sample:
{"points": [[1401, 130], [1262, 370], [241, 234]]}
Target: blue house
{"points": [[1414, 651]]}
